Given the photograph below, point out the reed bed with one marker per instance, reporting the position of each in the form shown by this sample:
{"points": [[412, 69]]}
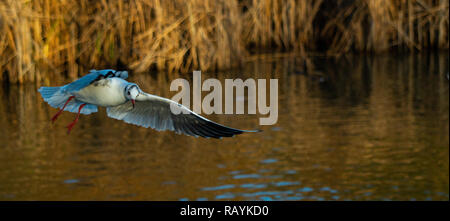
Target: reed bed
{"points": [[43, 38], [380, 25]]}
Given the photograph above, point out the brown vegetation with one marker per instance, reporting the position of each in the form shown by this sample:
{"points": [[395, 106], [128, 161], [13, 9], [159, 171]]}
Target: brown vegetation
{"points": [[178, 36]]}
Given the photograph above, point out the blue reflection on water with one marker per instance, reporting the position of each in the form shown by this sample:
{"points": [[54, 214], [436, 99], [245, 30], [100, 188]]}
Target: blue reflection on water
{"points": [[292, 198], [225, 196], [70, 181], [266, 198], [253, 186], [246, 176], [442, 194], [270, 188], [265, 193], [328, 189], [286, 183], [276, 128], [267, 161], [271, 194], [228, 186], [306, 189]]}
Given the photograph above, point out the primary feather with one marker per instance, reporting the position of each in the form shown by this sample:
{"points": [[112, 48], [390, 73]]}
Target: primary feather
{"points": [[155, 112]]}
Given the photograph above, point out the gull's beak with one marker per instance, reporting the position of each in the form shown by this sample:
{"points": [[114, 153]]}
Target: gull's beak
{"points": [[133, 101]]}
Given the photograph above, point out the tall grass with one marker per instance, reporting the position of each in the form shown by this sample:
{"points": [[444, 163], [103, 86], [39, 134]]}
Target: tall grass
{"points": [[42, 38], [380, 25]]}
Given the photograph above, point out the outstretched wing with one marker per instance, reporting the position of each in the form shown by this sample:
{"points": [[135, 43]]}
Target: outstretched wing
{"points": [[92, 77], [155, 112]]}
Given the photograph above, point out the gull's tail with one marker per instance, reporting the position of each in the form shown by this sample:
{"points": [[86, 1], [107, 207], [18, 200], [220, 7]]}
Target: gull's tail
{"points": [[48, 92]]}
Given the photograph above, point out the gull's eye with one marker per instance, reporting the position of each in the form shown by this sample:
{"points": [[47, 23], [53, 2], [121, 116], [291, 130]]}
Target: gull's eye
{"points": [[109, 74], [128, 93]]}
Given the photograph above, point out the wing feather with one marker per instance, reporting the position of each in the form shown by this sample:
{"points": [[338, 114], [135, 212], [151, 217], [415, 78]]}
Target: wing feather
{"points": [[154, 111]]}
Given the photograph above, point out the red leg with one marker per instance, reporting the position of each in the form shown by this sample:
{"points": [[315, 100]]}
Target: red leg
{"points": [[70, 126], [62, 109]]}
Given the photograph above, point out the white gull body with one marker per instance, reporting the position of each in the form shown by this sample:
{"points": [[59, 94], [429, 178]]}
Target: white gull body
{"points": [[107, 92]]}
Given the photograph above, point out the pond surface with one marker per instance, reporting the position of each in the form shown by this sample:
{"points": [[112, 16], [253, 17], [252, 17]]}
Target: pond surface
{"points": [[360, 128]]}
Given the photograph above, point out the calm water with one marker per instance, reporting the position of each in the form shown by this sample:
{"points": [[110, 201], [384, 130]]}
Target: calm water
{"points": [[373, 128]]}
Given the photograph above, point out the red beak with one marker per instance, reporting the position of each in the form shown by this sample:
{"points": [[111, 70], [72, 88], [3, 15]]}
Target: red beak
{"points": [[133, 101]]}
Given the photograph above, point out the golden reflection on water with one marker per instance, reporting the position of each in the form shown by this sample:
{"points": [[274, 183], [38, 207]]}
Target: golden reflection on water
{"points": [[371, 129]]}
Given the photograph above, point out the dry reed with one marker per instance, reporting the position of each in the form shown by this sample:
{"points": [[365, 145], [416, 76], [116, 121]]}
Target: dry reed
{"points": [[71, 37]]}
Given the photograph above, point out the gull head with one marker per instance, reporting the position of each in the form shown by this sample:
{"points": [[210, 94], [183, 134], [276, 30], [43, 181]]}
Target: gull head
{"points": [[132, 91]]}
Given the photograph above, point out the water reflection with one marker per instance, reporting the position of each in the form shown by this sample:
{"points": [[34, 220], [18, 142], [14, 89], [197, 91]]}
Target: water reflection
{"points": [[376, 128]]}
